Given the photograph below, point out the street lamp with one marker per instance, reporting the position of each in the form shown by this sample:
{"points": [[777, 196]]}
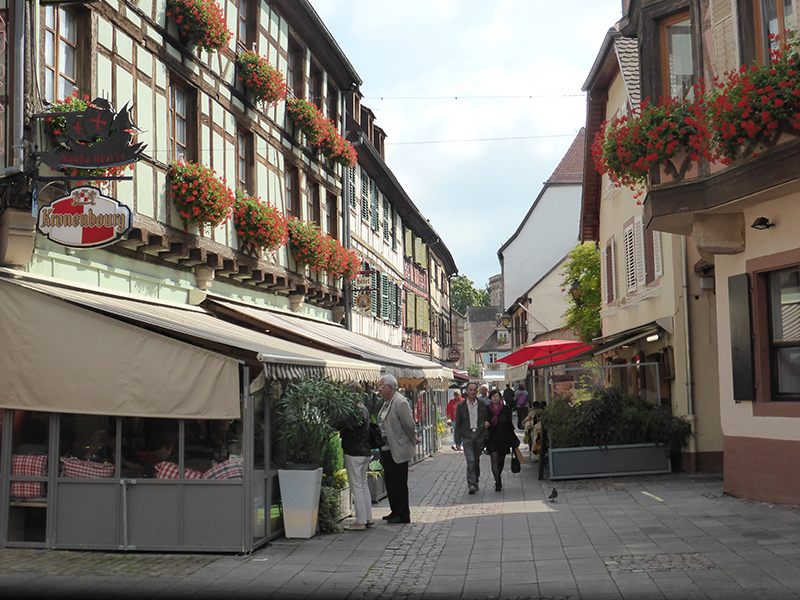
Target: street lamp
{"points": [[506, 319]]}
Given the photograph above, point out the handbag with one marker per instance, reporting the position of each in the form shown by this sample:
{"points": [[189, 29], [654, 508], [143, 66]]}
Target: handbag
{"points": [[515, 466], [518, 455]]}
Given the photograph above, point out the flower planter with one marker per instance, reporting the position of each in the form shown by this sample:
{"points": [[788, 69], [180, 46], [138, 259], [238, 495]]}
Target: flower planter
{"points": [[300, 489], [607, 461], [377, 486]]}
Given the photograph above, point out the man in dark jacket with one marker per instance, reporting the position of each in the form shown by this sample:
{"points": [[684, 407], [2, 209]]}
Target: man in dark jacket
{"points": [[469, 432]]}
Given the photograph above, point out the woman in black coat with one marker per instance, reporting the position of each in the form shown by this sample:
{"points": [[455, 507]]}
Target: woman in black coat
{"points": [[502, 436]]}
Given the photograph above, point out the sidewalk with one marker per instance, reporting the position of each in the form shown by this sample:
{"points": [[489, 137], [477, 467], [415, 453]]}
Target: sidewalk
{"points": [[670, 536]]}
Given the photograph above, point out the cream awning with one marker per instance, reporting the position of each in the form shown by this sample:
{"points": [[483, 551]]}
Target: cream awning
{"points": [[332, 338], [84, 350]]}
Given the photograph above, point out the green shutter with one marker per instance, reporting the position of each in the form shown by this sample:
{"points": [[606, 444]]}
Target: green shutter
{"points": [[385, 294], [420, 309], [375, 208], [386, 231], [411, 310], [365, 195], [409, 249], [394, 228], [351, 190], [373, 293], [393, 303]]}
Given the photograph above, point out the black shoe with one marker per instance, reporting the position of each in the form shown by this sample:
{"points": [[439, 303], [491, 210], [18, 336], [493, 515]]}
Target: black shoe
{"points": [[498, 487], [387, 517], [394, 520]]}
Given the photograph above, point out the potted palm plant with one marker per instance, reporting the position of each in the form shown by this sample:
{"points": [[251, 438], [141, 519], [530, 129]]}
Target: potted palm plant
{"points": [[306, 418]]}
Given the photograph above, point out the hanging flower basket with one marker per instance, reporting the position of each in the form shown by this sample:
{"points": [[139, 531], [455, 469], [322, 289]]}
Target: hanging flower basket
{"points": [[259, 225], [320, 132], [200, 197], [338, 259], [353, 266], [54, 128], [262, 82], [200, 22], [306, 245]]}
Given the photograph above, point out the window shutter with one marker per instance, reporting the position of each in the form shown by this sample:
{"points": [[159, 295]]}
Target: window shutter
{"points": [[611, 270], [604, 275], [375, 208], [387, 233], [629, 248], [426, 317], [351, 190], [392, 303], [373, 293], [420, 325], [385, 282], [424, 255], [741, 337], [638, 244], [417, 250], [394, 227], [658, 262], [364, 195], [411, 310], [409, 249]]}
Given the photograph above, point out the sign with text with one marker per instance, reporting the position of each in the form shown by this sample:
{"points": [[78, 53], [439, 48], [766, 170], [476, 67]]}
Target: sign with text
{"points": [[362, 281], [84, 219]]}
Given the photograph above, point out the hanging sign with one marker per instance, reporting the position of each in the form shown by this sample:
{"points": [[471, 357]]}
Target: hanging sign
{"points": [[362, 282], [363, 302], [454, 354], [84, 219], [94, 138]]}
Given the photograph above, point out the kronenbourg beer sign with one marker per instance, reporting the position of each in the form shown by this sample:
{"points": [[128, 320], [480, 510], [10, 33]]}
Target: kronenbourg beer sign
{"points": [[84, 219]]}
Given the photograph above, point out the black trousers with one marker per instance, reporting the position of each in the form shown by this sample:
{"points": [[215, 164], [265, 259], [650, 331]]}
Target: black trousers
{"points": [[396, 478]]}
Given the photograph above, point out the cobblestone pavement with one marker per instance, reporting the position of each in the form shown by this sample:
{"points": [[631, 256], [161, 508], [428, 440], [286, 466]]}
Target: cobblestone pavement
{"points": [[673, 536]]}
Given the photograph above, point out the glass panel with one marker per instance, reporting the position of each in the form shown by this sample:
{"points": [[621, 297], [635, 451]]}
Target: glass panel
{"points": [[49, 85], [27, 516], [785, 301], [50, 16], [148, 443], [49, 49], [68, 26], [769, 25], [87, 446], [679, 56], [211, 442], [68, 61], [788, 367]]}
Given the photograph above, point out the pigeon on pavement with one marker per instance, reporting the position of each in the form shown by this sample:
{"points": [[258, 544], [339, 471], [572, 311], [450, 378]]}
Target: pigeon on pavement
{"points": [[553, 495]]}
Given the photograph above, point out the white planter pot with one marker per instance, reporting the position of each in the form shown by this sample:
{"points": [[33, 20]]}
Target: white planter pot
{"points": [[300, 491]]}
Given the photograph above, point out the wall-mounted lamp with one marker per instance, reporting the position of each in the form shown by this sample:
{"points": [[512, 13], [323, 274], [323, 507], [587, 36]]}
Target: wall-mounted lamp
{"points": [[506, 319], [762, 223], [652, 338], [575, 290]]}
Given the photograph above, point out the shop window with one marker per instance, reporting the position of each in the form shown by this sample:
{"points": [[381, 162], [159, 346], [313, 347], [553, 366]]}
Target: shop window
{"points": [[63, 28], [209, 444], [784, 330], [677, 69], [182, 121]]}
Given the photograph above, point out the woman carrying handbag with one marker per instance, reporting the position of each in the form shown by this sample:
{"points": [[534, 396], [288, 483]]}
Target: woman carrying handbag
{"points": [[502, 436]]}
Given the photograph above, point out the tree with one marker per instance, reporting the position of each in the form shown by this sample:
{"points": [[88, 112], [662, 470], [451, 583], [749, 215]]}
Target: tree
{"points": [[582, 280], [463, 294]]}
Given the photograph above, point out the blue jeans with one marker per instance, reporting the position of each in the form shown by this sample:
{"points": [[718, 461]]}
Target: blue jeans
{"points": [[473, 448]]}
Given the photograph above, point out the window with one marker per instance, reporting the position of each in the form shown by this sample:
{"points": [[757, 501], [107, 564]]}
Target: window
{"points": [[313, 213], [784, 343], [316, 88], [677, 68], [61, 66], [292, 199], [332, 214], [294, 69], [333, 103], [244, 158], [245, 32], [773, 18], [181, 120]]}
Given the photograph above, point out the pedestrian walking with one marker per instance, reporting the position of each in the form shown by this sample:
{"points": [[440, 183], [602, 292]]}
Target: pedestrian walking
{"points": [[508, 396], [470, 431], [357, 456], [451, 415], [398, 429], [522, 405], [502, 438]]}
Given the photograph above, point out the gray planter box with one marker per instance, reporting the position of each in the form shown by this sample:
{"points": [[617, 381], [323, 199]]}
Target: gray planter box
{"points": [[606, 461], [377, 486]]}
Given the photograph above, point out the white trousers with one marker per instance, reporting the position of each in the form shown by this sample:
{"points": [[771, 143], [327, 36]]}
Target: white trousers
{"points": [[357, 467]]}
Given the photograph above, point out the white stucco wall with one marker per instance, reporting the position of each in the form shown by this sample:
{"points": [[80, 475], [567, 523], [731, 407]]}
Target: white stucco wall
{"points": [[548, 234]]}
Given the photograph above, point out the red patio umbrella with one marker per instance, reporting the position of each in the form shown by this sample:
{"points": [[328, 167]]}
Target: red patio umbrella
{"points": [[546, 352]]}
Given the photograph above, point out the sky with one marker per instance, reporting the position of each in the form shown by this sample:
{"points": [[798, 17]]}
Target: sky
{"points": [[479, 99]]}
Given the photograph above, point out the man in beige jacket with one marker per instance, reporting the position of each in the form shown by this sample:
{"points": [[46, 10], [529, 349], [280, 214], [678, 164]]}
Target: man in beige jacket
{"points": [[400, 436]]}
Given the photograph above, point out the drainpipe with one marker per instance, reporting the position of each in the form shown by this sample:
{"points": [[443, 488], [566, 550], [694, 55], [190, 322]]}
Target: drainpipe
{"points": [[19, 87], [346, 241], [688, 353]]}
